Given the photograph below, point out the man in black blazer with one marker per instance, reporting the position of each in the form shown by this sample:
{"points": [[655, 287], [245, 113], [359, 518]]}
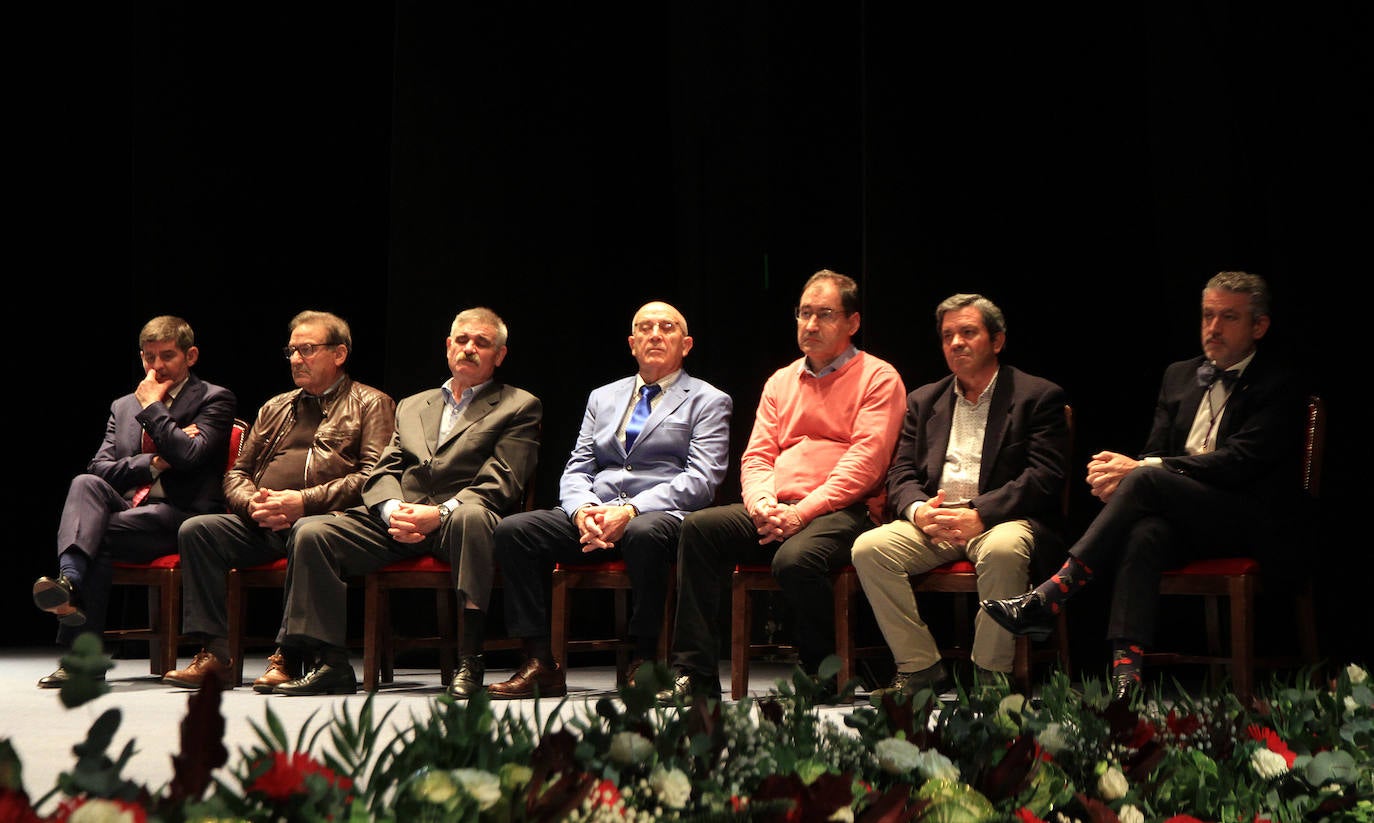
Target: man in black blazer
{"points": [[1217, 466], [459, 460], [162, 461], [978, 475]]}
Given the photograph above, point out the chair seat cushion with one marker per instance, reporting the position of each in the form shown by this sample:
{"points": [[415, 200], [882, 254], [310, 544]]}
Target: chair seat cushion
{"points": [[167, 561], [608, 566], [419, 563], [1218, 566]]}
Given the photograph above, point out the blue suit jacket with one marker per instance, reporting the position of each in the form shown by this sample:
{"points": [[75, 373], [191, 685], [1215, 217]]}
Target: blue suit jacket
{"points": [[677, 462], [195, 481]]}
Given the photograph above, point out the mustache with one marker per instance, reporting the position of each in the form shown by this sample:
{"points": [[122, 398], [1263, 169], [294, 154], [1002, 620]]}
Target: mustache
{"points": [[472, 357]]}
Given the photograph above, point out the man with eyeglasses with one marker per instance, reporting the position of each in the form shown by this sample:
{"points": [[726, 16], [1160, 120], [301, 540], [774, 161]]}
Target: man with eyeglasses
{"points": [[459, 461], [653, 446], [812, 479], [162, 461], [307, 453]]}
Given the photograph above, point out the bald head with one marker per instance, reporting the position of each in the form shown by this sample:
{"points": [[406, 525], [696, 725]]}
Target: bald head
{"points": [[659, 340]]}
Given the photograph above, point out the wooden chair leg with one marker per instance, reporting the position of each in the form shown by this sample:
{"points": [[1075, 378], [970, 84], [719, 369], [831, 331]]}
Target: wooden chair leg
{"points": [[170, 622], [846, 586], [1213, 621], [446, 617], [741, 618], [560, 609], [665, 635], [622, 631], [373, 621], [236, 622], [1242, 637]]}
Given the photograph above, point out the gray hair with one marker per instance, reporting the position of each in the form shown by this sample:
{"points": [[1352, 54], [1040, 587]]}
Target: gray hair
{"points": [[992, 316], [481, 314], [335, 325], [1243, 282]]}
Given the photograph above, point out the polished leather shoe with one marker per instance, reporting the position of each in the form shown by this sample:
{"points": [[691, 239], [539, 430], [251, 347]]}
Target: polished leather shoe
{"points": [[467, 681], [323, 679], [908, 683], [280, 669], [549, 681], [60, 598], [202, 664], [59, 678], [1026, 615], [686, 688]]}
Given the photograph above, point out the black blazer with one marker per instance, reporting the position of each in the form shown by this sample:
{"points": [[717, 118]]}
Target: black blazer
{"points": [[1026, 451]]}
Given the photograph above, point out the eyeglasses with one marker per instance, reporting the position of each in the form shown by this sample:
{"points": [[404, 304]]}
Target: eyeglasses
{"points": [[306, 350], [664, 326], [804, 315]]}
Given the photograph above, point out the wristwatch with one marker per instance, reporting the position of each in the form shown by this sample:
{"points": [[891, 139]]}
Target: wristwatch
{"points": [[445, 509]]}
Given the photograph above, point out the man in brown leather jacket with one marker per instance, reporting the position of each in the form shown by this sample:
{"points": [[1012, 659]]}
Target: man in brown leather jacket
{"points": [[308, 452]]}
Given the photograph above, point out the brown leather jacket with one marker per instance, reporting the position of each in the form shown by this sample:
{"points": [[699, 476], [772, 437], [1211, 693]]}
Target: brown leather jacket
{"points": [[357, 427]]}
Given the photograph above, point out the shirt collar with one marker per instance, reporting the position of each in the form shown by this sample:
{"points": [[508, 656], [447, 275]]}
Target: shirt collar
{"points": [[664, 383], [834, 365]]}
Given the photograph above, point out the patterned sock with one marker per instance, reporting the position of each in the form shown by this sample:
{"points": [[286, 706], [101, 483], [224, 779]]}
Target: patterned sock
{"points": [[72, 564], [1126, 661], [1063, 584]]}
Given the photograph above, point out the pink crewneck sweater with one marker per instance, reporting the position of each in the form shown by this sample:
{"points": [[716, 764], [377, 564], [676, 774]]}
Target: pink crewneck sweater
{"points": [[825, 442]]}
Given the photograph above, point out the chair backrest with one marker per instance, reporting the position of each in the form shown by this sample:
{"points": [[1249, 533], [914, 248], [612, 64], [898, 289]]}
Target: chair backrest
{"points": [[1313, 446], [236, 434], [1068, 458]]}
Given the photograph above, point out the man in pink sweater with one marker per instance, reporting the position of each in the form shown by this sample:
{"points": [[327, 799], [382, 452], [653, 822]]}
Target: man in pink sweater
{"points": [[812, 478]]}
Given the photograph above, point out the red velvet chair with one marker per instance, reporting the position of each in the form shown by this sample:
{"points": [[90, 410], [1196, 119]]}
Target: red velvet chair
{"points": [[162, 579]]}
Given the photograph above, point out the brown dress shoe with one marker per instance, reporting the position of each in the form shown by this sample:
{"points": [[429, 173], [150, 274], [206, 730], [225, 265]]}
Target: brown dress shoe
{"points": [[549, 681], [202, 664], [279, 671]]}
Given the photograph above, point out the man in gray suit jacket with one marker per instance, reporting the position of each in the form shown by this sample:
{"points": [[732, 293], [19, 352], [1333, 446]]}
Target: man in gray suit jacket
{"points": [[978, 475], [652, 447], [460, 459]]}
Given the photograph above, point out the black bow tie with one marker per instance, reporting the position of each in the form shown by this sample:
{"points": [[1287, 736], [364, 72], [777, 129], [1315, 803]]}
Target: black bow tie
{"points": [[1208, 373]]}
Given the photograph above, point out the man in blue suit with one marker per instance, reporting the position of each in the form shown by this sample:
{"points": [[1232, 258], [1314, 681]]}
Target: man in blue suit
{"points": [[161, 462], [652, 447]]}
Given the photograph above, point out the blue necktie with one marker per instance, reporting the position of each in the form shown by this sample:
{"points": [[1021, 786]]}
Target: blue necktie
{"points": [[640, 415]]}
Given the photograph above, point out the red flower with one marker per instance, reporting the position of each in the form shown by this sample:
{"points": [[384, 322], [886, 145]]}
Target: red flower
{"points": [[14, 805], [287, 775], [607, 793], [1272, 742], [1182, 726], [1142, 734], [1183, 818], [1025, 815]]}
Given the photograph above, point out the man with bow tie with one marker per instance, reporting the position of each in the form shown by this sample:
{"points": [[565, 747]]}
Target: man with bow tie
{"points": [[652, 447], [1215, 472]]}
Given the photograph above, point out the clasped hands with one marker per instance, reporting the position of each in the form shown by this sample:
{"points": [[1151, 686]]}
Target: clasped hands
{"points": [[276, 510], [954, 526], [774, 521], [412, 522], [1105, 471], [599, 527]]}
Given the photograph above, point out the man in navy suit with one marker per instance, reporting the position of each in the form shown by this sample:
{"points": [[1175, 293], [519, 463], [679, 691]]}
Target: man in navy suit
{"points": [[1217, 469], [652, 447], [161, 462], [978, 475]]}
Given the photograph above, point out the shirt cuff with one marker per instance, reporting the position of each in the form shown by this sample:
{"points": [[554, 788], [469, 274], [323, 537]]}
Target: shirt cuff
{"points": [[1157, 462]]}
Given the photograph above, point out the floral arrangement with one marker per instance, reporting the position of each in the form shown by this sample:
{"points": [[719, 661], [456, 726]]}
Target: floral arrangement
{"points": [[1301, 751]]}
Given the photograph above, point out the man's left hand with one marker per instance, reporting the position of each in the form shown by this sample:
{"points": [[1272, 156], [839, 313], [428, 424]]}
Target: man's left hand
{"points": [[602, 526], [276, 510], [412, 522], [782, 522], [956, 525]]}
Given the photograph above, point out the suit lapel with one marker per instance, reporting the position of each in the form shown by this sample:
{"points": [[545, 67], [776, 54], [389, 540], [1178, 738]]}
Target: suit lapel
{"points": [[480, 407], [430, 416], [999, 417], [938, 431], [674, 397]]}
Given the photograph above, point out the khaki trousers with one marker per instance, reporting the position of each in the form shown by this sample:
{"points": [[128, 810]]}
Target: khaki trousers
{"points": [[886, 557]]}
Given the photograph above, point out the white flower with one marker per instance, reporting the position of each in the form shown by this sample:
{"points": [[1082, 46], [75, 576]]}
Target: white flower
{"points": [[844, 814], [1268, 765], [1130, 814], [935, 766], [1053, 739], [1112, 784], [484, 787], [897, 756], [1012, 703], [630, 748], [1356, 674], [101, 811], [1351, 704], [435, 787], [672, 787]]}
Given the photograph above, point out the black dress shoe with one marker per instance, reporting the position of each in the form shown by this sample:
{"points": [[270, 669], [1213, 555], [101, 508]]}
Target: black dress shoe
{"points": [[686, 688], [1025, 615], [323, 679], [59, 678], [467, 681], [59, 597]]}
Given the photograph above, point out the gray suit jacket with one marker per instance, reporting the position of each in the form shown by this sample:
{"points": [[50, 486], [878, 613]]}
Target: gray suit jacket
{"points": [[488, 459]]}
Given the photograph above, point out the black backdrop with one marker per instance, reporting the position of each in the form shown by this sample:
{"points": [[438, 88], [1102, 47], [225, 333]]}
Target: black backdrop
{"points": [[399, 161]]}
